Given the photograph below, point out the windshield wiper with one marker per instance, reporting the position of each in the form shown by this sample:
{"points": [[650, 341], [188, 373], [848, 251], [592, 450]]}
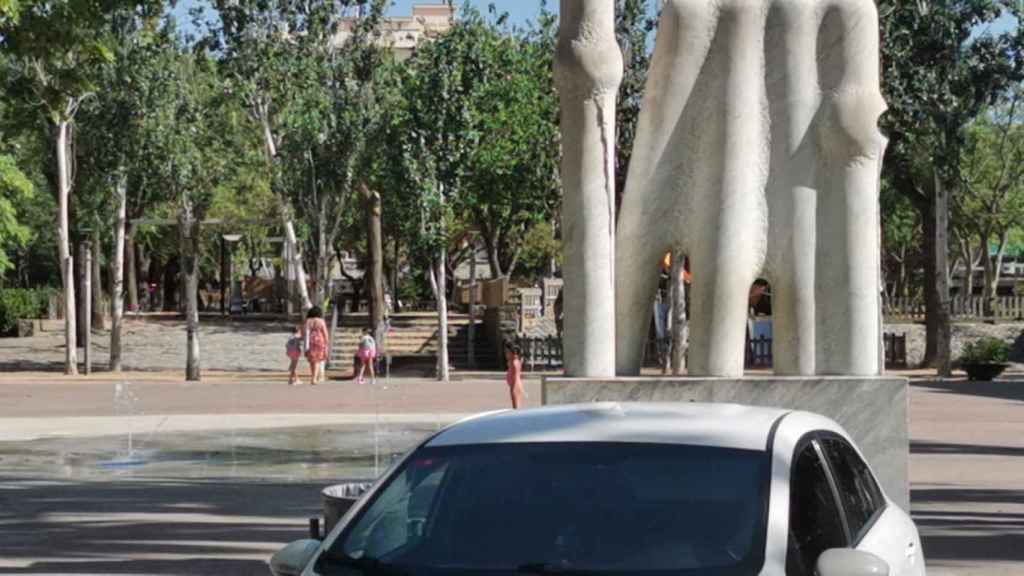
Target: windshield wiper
{"points": [[366, 564], [546, 569]]}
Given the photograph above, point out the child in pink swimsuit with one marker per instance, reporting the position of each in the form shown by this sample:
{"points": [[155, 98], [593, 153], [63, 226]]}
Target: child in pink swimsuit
{"points": [[514, 376]]}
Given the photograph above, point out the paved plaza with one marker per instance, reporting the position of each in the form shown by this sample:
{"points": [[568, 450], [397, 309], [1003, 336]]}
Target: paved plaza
{"points": [[146, 474]]}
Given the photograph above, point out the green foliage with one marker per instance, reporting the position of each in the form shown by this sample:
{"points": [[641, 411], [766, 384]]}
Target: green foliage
{"points": [[988, 350], [633, 30], [14, 188], [21, 304], [938, 75], [477, 142]]}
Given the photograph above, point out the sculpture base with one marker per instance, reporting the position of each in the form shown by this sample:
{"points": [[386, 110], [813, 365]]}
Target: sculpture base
{"points": [[873, 410]]}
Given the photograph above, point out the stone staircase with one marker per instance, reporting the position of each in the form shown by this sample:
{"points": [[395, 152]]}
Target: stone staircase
{"points": [[414, 339]]}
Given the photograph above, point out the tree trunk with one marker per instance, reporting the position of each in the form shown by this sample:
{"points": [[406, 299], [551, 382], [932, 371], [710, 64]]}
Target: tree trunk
{"points": [[323, 261], [286, 213], [680, 329], [471, 337], [99, 313], [375, 269], [935, 219], [493, 258], [117, 265], [442, 316], [296, 261], [82, 273], [67, 266], [131, 268], [188, 228], [87, 301], [993, 272]]}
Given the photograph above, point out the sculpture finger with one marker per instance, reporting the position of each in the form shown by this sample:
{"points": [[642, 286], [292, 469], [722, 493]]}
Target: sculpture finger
{"points": [[850, 153], [791, 79]]}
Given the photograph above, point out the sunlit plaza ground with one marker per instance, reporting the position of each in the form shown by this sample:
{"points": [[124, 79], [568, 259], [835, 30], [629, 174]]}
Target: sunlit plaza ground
{"points": [[146, 474]]}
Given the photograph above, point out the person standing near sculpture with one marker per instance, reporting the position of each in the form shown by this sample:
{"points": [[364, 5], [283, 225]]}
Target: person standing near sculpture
{"points": [[514, 376], [316, 339]]}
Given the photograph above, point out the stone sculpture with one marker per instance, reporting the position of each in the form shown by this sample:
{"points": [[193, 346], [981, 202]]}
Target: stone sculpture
{"points": [[757, 155], [588, 70]]}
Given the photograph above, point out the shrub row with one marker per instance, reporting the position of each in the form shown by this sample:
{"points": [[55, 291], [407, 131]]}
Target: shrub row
{"points": [[20, 303]]}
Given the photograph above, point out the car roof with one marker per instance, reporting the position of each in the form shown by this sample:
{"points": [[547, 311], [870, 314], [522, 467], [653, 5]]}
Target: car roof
{"points": [[723, 425]]}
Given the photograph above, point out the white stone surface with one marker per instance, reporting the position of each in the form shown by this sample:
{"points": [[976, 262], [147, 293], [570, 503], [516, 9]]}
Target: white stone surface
{"points": [[758, 154], [588, 70]]}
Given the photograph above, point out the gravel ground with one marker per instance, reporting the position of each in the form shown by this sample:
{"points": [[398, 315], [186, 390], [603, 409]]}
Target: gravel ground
{"points": [[151, 345], [1012, 333]]}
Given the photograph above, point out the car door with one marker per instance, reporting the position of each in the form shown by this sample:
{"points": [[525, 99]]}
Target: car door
{"points": [[815, 518], [874, 525]]}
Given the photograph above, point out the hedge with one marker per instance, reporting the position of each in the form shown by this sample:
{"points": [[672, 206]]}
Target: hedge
{"points": [[19, 304]]}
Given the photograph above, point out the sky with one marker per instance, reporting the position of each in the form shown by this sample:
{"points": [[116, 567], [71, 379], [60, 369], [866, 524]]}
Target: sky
{"points": [[520, 11]]}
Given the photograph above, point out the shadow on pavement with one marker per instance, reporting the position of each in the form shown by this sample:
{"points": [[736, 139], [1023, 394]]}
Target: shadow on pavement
{"points": [[149, 526], [984, 531], [922, 447], [1003, 389]]}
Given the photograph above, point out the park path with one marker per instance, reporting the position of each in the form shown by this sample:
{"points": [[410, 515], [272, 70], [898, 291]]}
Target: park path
{"points": [[967, 476]]}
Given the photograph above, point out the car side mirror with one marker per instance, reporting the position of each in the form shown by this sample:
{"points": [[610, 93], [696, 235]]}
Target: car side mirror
{"points": [[293, 558], [850, 562]]}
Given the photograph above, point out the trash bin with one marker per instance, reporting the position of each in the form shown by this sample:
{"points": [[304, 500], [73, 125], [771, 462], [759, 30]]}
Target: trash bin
{"points": [[337, 499]]}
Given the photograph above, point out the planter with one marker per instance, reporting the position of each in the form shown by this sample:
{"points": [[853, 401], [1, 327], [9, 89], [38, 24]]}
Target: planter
{"points": [[984, 372]]}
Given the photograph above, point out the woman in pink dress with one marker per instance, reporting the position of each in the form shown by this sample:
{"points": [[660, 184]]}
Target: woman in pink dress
{"points": [[317, 343]]}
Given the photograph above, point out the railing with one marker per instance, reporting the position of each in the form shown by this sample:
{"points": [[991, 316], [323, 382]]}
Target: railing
{"points": [[895, 350], [546, 353], [543, 353], [759, 352], [1005, 308]]}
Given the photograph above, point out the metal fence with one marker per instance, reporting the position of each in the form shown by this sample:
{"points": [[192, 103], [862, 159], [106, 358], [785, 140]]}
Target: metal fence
{"points": [[546, 353], [1006, 308]]}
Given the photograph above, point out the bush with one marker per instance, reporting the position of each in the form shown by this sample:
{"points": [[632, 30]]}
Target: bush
{"points": [[20, 304], [986, 350]]}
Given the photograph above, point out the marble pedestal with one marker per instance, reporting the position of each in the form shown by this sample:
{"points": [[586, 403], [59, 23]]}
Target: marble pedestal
{"points": [[873, 410]]}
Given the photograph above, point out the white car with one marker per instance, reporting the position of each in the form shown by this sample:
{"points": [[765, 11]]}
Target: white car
{"points": [[647, 489]]}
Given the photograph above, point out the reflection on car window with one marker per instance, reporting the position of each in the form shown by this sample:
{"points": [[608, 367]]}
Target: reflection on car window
{"points": [[860, 494], [814, 518], [598, 507]]}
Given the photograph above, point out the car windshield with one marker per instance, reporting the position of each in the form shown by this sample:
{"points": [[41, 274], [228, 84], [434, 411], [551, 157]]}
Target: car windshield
{"points": [[563, 508]]}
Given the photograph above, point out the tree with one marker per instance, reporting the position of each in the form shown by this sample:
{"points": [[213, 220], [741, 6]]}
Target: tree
{"points": [[937, 76], [116, 154], [512, 183], [194, 131], [991, 204], [55, 45], [262, 44]]}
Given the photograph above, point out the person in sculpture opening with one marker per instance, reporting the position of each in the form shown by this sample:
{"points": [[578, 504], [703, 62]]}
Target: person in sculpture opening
{"points": [[317, 343], [367, 354], [294, 351], [514, 376]]}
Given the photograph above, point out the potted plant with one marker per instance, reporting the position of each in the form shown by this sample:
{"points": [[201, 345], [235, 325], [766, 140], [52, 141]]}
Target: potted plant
{"points": [[985, 358]]}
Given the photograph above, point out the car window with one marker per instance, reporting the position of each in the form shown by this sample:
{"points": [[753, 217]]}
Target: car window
{"points": [[597, 507], [815, 524], [398, 516], [858, 491]]}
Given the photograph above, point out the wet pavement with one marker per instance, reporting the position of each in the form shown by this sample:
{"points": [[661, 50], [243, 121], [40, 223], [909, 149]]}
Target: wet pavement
{"points": [[216, 502]]}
